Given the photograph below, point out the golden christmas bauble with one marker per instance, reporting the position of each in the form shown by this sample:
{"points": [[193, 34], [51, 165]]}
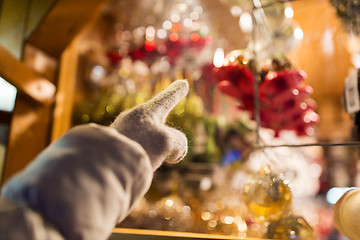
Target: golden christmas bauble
{"points": [[291, 227], [267, 195]]}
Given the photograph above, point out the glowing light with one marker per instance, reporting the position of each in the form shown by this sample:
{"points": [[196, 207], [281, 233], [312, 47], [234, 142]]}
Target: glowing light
{"points": [[124, 72], [186, 209], [205, 183], [182, 7], [149, 45], [188, 22], [126, 35], [150, 32], [228, 219], [242, 226], [97, 73], [212, 224], [173, 37], [245, 22], [298, 33], [355, 59], [219, 56], [198, 9], [295, 92], [311, 117], [289, 12], [303, 105], [232, 59], [164, 65], [167, 25], [169, 203], [334, 194], [236, 11], [176, 27], [7, 96], [175, 18], [194, 37], [161, 33], [206, 216], [204, 29], [194, 16], [310, 131], [139, 32], [327, 42]]}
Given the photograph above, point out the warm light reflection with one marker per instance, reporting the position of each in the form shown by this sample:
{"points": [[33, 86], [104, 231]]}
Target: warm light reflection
{"points": [[219, 56], [173, 37], [245, 22], [194, 16], [167, 25], [175, 18], [295, 92], [97, 73], [289, 12], [298, 33], [188, 22], [236, 11], [327, 42], [161, 33], [41, 89], [150, 33], [198, 9]]}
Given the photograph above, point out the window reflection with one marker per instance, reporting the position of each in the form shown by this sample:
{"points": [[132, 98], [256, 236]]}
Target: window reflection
{"points": [[7, 103]]}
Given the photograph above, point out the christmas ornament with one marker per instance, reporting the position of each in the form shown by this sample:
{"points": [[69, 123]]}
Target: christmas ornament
{"points": [[267, 195], [290, 227], [284, 98], [349, 13]]}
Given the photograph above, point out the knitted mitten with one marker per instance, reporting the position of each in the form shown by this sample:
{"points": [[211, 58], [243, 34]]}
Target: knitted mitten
{"points": [[145, 124]]}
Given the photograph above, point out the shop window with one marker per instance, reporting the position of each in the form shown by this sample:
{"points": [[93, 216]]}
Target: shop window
{"points": [[7, 102]]}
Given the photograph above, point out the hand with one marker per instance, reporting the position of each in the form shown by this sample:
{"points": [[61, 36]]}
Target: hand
{"points": [[145, 124]]}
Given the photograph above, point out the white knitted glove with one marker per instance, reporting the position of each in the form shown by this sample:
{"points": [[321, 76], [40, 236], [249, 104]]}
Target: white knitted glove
{"points": [[145, 124], [89, 179]]}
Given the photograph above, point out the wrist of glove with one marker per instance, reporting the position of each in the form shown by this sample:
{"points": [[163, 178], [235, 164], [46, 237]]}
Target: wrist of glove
{"points": [[145, 124]]}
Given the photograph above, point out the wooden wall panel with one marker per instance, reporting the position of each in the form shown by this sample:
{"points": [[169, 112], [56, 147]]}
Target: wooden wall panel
{"points": [[29, 134]]}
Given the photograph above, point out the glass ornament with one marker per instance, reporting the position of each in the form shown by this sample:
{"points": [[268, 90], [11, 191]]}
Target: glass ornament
{"points": [[267, 195], [291, 227]]}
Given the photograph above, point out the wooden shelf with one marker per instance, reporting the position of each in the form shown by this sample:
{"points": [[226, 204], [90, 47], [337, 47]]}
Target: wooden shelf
{"points": [[141, 234]]}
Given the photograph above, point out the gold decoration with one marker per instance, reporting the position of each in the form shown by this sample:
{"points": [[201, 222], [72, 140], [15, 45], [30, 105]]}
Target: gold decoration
{"points": [[267, 195], [291, 227]]}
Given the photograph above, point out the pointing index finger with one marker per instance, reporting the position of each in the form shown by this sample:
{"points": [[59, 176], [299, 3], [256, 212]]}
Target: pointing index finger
{"points": [[165, 101]]}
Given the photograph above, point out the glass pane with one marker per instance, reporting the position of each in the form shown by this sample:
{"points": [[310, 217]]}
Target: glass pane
{"points": [[7, 103], [7, 96], [304, 54]]}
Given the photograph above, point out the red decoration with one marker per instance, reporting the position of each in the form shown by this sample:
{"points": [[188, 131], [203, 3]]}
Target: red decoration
{"points": [[284, 99], [114, 57]]}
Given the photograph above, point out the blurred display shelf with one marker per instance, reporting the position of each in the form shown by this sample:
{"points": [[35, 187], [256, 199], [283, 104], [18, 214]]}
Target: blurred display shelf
{"points": [[141, 234]]}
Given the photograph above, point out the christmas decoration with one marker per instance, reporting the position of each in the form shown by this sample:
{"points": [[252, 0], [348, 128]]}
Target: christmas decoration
{"points": [[290, 227], [284, 99], [349, 13], [267, 195]]}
